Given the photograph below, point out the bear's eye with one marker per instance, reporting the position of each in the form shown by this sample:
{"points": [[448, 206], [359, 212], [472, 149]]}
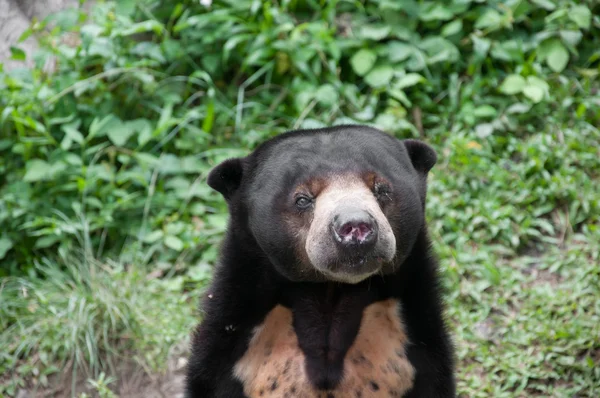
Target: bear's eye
{"points": [[382, 191], [303, 202]]}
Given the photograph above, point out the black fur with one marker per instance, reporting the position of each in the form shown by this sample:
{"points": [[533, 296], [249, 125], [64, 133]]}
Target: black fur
{"points": [[252, 279], [226, 177]]}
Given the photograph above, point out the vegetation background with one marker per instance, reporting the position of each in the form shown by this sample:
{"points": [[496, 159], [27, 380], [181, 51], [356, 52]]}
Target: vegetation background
{"points": [[109, 232]]}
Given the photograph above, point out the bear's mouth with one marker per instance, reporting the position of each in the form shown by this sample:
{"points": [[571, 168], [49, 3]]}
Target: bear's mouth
{"points": [[360, 261], [353, 269]]}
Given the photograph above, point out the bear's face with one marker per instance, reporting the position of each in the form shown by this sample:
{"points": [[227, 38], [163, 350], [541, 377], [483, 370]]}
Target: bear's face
{"points": [[337, 204], [346, 234]]}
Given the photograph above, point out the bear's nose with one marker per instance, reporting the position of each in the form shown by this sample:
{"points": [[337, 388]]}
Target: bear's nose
{"points": [[354, 228]]}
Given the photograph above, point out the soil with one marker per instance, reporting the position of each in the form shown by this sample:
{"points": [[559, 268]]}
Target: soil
{"points": [[132, 381]]}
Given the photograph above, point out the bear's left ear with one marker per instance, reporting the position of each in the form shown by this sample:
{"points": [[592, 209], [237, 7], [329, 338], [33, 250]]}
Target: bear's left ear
{"points": [[226, 177], [422, 156]]}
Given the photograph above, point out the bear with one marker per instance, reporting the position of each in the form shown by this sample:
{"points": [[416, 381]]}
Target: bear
{"points": [[326, 284]]}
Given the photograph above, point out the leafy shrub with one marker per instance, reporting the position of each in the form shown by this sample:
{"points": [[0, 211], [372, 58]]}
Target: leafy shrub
{"points": [[115, 144]]}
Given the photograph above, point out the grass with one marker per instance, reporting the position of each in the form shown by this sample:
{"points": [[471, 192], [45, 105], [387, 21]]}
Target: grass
{"points": [[516, 224], [508, 95], [85, 318], [534, 331]]}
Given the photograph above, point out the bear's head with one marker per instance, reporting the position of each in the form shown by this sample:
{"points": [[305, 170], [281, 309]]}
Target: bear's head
{"points": [[333, 204]]}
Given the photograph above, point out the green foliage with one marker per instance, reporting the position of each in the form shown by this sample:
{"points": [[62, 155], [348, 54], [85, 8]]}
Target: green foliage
{"points": [[101, 386], [116, 143], [109, 154]]}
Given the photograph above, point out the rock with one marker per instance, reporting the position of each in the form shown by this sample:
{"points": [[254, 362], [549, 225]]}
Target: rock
{"points": [[23, 394], [16, 17]]}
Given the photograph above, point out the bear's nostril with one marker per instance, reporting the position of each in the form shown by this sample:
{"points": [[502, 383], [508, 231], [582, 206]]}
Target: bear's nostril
{"points": [[364, 228], [347, 230], [355, 231]]}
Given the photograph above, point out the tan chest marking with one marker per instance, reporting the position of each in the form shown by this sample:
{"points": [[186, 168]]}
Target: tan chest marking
{"points": [[375, 365]]}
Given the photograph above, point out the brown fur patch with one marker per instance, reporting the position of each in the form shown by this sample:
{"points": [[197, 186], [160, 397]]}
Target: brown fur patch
{"points": [[375, 365], [370, 179], [314, 186], [283, 368]]}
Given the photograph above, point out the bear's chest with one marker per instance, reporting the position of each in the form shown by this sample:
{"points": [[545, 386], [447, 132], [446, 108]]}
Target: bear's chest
{"points": [[375, 364]]}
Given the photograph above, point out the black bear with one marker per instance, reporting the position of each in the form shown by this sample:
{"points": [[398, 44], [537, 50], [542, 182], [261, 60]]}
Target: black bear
{"points": [[326, 284]]}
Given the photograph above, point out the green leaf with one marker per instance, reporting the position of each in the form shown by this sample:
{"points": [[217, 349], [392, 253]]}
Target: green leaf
{"points": [[510, 50], [125, 7], [101, 46], [5, 144], [143, 128], [165, 119], [536, 81], [401, 96], [380, 76], [398, 51], [327, 95], [439, 50], [373, 32], [5, 245], [571, 37], [232, 43], [518, 107], [152, 51], [173, 284], [544, 48], [481, 45], [153, 236], [581, 15], [435, 11], [91, 30], [513, 84], [558, 56], [17, 54], [25, 35], [484, 130], [174, 243], [490, 19], [363, 61], [46, 241], [209, 117], [100, 127], [408, 80], [546, 4], [141, 27], [534, 93], [200, 272], [119, 133], [417, 61], [37, 170], [146, 159], [485, 111], [535, 89], [452, 28], [71, 131], [218, 221]]}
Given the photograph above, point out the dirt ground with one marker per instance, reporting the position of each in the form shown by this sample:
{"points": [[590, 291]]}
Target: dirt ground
{"points": [[132, 382]]}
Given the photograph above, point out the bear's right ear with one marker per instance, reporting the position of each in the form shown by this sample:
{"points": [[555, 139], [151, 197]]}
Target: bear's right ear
{"points": [[226, 177]]}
